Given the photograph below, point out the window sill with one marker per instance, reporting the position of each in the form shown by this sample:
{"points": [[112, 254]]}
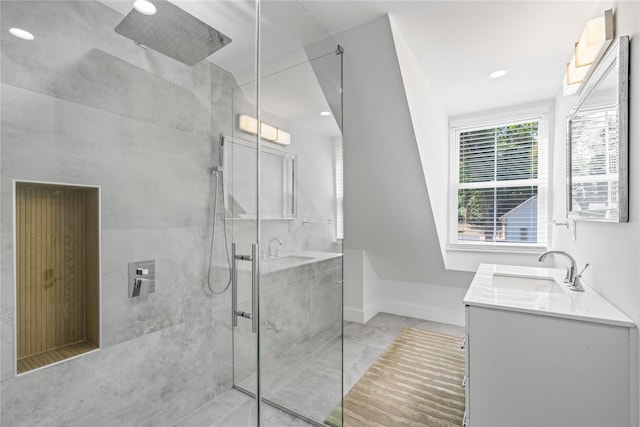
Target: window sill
{"points": [[510, 249], [468, 257]]}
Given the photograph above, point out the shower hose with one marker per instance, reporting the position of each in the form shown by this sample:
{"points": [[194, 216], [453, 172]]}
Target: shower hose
{"points": [[219, 182]]}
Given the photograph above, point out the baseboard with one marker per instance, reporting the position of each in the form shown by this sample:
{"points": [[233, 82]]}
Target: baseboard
{"points": [[353, 315], [371, 311], [424, 312]]}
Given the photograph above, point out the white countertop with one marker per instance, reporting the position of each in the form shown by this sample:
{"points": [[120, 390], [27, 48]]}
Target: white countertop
{"points": [[587, 306]]}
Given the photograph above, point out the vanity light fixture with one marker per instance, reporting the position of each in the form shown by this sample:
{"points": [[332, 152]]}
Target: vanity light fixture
{"points": [[267, 132], [284, 138], [497, 74], [21, 34], [593, 43], [325, 113], [145, 7]]}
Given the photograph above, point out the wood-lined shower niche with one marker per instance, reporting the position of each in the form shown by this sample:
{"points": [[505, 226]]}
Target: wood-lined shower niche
{"points": [[57, 272]]}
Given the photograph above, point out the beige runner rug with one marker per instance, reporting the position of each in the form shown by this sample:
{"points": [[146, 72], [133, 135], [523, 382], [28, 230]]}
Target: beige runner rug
{"points": [[415, 382]]}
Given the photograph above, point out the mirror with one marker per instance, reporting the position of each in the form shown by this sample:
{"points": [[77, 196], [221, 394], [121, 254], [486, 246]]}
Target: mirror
{"points": [[278, 181], [597, 129]]}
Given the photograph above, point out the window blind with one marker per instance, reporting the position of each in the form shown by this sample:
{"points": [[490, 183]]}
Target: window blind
{"points": [[500, 184], [339, 193]]}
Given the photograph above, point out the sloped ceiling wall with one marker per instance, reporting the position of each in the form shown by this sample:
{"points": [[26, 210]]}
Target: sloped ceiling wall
{"points": [[387, 208]]}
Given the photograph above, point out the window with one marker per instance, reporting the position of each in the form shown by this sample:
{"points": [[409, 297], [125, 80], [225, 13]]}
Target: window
{"points": [[499, 184], [339, 194]]}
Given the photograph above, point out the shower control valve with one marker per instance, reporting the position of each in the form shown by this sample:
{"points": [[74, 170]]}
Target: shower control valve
{"points": [[142, 280]]}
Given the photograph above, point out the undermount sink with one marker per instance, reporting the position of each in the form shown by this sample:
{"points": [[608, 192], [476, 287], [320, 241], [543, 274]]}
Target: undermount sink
{"points": [[528, 283]]}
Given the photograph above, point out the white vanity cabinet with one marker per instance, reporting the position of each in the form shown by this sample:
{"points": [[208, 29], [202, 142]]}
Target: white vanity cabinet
{"points": [[535, 364]]}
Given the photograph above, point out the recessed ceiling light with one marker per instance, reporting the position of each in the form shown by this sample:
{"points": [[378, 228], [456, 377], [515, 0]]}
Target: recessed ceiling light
{"points": [[21, 34], [325, 113], [145, 7], [497, 73]]}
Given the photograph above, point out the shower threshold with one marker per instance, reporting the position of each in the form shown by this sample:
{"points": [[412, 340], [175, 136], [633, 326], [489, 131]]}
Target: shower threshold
{"points": [[280, 407]]}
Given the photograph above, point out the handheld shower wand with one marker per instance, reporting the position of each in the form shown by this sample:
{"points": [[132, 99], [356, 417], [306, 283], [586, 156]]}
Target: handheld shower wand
{"points": [[220, 166], [217, 171]]}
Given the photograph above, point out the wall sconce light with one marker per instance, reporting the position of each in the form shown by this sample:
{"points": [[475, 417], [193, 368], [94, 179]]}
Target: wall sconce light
{"points": [[267, 132], [595, 39]]}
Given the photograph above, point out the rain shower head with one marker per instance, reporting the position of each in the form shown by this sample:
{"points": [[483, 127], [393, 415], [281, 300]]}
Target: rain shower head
{"points": [[172, 32]]}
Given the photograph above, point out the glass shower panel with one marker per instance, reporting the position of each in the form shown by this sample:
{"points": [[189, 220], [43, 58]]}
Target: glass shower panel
{"points": [[108, 156], [301, 268]]}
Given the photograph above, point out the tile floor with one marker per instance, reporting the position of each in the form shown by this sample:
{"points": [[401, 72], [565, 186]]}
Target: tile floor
{"points": [[303, 388]]}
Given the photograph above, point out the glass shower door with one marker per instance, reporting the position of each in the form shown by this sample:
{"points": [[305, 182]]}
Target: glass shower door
{"points": [[301, 267], [299, 285], [282, 200]]}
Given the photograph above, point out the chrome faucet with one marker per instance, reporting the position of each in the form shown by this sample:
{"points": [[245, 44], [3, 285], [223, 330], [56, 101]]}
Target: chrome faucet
{"points": [[572, 277], [277, 251]]}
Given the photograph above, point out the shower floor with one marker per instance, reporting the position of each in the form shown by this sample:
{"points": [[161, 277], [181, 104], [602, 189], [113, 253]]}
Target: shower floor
{"points": [[307, 380], [306, 386]]}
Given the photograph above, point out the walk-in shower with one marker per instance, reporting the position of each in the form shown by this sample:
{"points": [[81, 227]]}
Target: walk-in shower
{"points": [[105, 162]]}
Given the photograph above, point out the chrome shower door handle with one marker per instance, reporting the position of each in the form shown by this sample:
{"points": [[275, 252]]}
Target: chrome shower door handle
{"points": [[255, 259], [255, 273], [234, 284]]}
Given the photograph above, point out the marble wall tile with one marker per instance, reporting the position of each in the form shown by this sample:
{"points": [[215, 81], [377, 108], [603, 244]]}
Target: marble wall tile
{"points": [[297, 304], [150, 176], [178, 253], [7, 355], [78, 56], [81, 104], [325, 300], [285, 321], [84, 105], [161, 376], [277, 281], [7, 360]]}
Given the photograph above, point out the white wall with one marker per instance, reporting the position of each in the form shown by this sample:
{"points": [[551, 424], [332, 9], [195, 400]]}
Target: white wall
{"points": [[431, 127], [362, 287], [423, 301], [430, 124], [388, 213], [613, 250]]}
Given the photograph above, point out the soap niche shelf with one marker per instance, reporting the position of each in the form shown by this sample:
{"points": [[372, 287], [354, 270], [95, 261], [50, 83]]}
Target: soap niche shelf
{"points": [[57, 250]]}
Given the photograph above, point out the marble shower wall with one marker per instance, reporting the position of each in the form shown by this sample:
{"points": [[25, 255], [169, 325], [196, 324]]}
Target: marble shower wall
{"points": [[83, 105], [301, 307]]}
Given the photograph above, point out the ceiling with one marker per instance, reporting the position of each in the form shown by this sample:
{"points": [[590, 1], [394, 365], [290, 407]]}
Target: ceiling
{"points": [[456, 43]]}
